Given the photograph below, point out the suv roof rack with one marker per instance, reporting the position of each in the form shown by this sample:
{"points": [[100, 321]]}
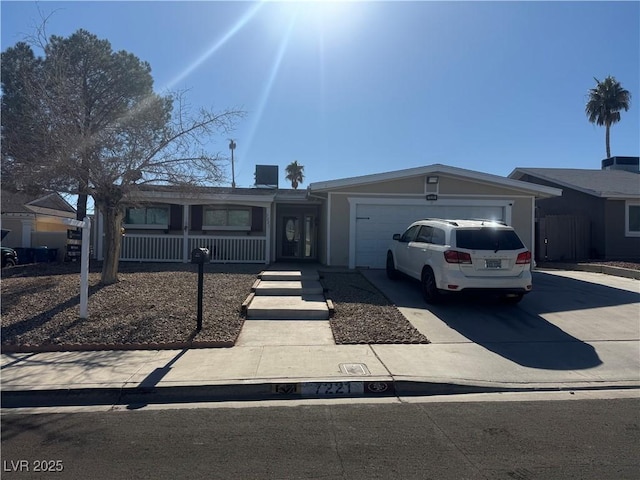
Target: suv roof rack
{"points": [[450, 222], [488, 220]]}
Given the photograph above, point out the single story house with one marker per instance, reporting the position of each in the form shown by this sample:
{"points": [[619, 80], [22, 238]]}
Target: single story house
{"points": [[347, 222], [34, 221], [597, 216]]}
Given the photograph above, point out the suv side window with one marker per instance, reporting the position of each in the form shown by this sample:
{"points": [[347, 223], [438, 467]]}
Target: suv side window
{"points": [[410, 234], [424, 236], [438, 236]]}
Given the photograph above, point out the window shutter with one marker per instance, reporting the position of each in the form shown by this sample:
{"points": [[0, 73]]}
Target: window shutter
{"points": [[196, 217], [257, 219], [175, 217]]}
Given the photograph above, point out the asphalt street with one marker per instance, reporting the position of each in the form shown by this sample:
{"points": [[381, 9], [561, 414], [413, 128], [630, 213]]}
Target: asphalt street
{"points": [[523, 440]]}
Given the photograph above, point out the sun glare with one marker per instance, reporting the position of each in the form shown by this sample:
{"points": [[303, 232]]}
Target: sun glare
{"points": [[320, 17], [215, 46], [332, 17]]}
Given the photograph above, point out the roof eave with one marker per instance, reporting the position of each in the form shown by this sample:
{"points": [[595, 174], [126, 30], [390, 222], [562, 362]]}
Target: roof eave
{"points": [[199, 198], [587, 191], [531, 188]]}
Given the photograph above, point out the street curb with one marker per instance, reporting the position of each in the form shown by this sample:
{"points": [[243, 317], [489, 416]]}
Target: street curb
{"points": [[138, 397]]}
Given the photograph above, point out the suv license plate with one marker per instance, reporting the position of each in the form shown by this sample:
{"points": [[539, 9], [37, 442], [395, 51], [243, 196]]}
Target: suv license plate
{"points": [[493, 263]]}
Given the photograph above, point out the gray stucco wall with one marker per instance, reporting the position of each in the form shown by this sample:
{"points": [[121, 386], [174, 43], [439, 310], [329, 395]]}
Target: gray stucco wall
{"points": [[573, 202], [619, 246], [339, 233]]}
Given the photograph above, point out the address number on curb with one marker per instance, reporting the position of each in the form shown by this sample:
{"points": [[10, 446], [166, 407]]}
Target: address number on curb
{"points": [[332, 389]]}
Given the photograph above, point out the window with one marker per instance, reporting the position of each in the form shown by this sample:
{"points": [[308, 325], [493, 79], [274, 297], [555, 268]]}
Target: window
{"points": [[438, 236], [632, 218], [488, 239], [410, 234], [227, 219], [425, 234], [149, 217]]}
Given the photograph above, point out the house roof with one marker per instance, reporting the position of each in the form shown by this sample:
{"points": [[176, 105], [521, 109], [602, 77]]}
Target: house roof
{"points": [[537, 190], [49, 204], [221, 194], [599, 183]]}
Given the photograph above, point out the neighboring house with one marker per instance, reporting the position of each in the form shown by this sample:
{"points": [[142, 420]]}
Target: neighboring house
{"points": [[346, 222], [34, 221], [597, 216]]}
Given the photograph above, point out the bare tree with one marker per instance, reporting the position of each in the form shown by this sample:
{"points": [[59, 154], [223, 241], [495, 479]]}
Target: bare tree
{"points": [[97, 128]]}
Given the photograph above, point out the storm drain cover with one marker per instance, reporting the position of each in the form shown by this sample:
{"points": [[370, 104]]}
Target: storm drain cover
{"points": [[354, 369]]}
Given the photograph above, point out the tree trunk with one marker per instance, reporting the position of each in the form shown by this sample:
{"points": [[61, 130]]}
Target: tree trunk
{"points": [[83, 187], [81, 206], [607, 140], [112, 243]]}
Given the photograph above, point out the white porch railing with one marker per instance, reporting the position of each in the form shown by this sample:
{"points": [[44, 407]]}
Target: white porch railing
{"points": [[232, 249], [170, 248]]}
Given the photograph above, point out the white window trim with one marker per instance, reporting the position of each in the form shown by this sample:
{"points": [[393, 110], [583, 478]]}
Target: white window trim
{"points": [[245, 228], [144, 226], [627, 204]]}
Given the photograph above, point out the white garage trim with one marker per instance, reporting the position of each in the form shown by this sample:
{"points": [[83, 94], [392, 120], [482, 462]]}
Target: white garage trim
{"points": [[505, 204]]}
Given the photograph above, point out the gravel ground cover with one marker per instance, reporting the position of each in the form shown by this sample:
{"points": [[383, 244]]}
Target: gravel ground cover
{"points": [[151, 304], [363, 314], [154, 305]]}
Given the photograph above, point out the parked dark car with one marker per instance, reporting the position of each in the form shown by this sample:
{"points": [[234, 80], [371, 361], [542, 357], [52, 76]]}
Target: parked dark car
{"points": [[9, 255]]}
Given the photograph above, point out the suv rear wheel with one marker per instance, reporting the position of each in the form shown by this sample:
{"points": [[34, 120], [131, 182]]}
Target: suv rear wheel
{"points": [[429, 287], [392, 273]]}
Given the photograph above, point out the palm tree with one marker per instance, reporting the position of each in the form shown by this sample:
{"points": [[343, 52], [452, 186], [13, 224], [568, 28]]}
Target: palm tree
{"points": [[295, 173], [606, 100]]}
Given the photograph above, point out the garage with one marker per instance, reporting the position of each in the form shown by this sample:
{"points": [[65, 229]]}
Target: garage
{"points": [[375, 223], [359, 215]]}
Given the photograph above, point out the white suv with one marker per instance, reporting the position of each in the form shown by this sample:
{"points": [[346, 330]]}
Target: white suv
{"points": [[462, 255]]}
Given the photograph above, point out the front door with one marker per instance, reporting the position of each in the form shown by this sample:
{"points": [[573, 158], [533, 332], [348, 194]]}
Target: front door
{"points": [[297, 236]]}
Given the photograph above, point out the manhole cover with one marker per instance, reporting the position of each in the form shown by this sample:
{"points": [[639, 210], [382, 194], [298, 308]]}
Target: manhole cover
{"points": [[354, 369]]}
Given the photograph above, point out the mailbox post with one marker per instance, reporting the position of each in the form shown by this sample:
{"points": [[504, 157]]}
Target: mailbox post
{"points": [[200, 256]]}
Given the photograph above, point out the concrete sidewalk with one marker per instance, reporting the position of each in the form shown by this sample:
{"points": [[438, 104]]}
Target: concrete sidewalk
{"points": [[531, 349]]}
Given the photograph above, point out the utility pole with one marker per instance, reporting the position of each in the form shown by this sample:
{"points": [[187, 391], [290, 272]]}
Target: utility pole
{"points": [[232, 147]]}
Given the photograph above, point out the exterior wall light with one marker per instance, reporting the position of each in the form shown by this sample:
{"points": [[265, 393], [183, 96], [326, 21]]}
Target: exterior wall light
{"points": [[432, 180]]}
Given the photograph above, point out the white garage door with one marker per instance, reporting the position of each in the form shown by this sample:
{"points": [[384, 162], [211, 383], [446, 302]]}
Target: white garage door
{"points": [[376, 224]]}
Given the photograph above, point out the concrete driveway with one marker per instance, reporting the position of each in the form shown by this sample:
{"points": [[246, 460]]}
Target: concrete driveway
{"points": [[572, 321]]}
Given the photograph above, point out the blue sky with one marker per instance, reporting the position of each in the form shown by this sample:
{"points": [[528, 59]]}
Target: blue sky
{"points": [[354, 88]]}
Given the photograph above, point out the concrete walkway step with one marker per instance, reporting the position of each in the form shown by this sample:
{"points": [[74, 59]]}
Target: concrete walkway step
{"points": [[285, 275], [260, 333], [288, 287], [305, 307]]}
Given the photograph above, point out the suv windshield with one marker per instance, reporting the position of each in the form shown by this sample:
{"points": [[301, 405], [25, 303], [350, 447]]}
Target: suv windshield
{"points": [[488, 239]]}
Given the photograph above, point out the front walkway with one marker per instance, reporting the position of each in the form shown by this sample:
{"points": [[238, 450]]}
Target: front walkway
{"points": [[288, 307]]}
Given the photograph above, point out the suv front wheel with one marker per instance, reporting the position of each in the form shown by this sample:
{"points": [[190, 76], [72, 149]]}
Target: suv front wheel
{"points": [[429, 288]]}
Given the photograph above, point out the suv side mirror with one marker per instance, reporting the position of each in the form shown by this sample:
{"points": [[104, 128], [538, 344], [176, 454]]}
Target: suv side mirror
{"points": [[397, 236]]}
